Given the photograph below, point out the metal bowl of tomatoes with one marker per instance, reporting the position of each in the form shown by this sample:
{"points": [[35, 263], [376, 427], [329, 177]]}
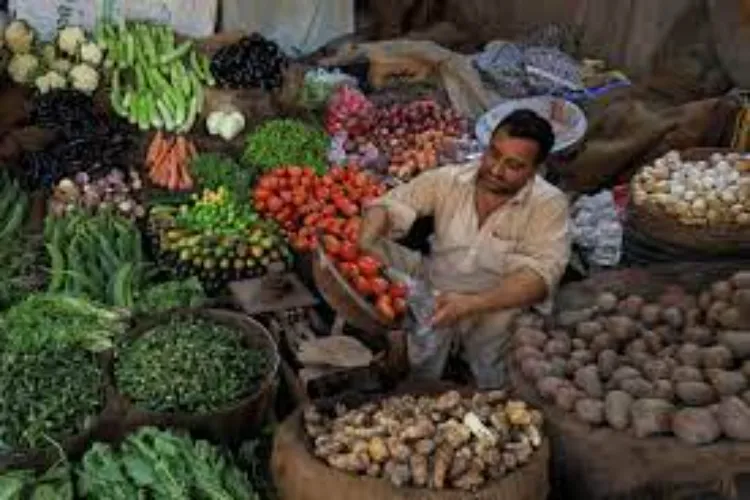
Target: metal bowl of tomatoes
{"points": [[358, 287]]}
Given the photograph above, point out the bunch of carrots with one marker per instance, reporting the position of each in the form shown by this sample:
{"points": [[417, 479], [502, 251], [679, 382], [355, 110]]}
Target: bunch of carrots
{"points": [[168, 160]]}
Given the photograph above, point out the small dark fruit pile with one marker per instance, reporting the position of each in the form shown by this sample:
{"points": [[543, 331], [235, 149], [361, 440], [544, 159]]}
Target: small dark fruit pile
{"points": [[252, 62]]}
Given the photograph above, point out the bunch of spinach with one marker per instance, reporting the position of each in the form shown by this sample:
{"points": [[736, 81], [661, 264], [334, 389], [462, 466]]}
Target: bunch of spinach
{"points": [[47, 395], [159, 465], [162, 297], [21, 269], [55, 484], [188, 364], [42, 319]]}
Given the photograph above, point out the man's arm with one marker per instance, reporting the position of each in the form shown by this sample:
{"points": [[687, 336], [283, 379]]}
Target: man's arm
{"points": [[396, 211], [544, 255]]}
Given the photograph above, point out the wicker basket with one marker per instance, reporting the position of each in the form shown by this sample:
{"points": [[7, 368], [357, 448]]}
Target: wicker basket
{"points": [[724, 240], [602, 463]]}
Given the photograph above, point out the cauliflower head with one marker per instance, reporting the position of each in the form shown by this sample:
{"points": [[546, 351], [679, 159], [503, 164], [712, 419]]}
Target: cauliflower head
{"points": [[62, 66], [22, 67], [91, 53], [49, 81], [69, 39], [19, 37], [84, 78]]}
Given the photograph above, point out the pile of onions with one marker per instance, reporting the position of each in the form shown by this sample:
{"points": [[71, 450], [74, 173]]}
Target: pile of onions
{"points": [[114, 191]]}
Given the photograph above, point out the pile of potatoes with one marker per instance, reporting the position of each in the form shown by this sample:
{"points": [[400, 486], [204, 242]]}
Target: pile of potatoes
{"points": [[445, 441], [680, 364]]}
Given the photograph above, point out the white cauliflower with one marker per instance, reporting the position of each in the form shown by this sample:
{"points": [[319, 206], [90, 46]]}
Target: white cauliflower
{"points": [[22, 68], [48, 53], [19, 37], [62, 66], [84, 78], [49, 81], [69, 39], [91, 53]]}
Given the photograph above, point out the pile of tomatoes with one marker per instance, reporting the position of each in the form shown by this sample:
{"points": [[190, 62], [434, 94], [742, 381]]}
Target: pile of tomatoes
{"points": [[325, 210]]}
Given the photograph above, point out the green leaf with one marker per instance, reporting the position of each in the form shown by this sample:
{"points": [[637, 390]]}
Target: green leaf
{"points": [[139, 470]]}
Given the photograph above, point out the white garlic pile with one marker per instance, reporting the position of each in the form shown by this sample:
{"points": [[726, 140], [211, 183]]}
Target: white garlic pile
{"points": [[715, 192]]}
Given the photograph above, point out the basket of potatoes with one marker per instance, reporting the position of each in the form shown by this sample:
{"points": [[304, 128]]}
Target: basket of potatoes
{"points": [[696, 199], [644, 370], [449, 445]]}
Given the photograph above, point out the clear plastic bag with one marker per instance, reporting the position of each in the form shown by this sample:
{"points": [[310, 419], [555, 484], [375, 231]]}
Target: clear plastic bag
{"points": [[597, 228], [421, 301]]}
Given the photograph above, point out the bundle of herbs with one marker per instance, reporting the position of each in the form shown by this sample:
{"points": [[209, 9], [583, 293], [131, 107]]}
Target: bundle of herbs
{"points": [[162, 297], [44, 319], [47, 395], [287, 142], [214, 170], [155, 464], [189, 364]]}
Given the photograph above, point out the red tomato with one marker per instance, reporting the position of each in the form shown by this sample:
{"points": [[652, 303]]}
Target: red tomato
{"points": [[349, 209], [294, 171], [379, 285], [348, 251], [286, 196], [384, 306], [368, 266], [308, 172], [274, 204], [332, 245], [311, 219], [322, 193], [262, 194], [362, 285], [329, 210], [268, 182], [348, 270], [335, 173], [398, 290]]}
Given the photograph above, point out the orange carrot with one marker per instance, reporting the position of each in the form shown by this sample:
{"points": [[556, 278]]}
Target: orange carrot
{"points": [[153, 148]]}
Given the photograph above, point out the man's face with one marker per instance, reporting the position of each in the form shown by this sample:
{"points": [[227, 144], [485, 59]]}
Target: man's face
{"points": [[507, 164]]}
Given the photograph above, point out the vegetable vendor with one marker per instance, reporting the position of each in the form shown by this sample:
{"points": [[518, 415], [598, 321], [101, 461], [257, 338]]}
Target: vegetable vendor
{"points": [[501, 244]]}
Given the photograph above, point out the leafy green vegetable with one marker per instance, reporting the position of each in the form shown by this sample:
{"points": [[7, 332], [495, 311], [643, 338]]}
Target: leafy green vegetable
{"points": [[47, 395], [213, 170], [287, 142], [21, 271], [156, 464], [171, 295], [188, 364], [43, 319]]}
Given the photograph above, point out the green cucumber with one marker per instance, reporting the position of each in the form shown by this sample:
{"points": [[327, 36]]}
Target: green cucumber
{"points": [[150, 48], [169, 124], [130, 50], [206, 63], [144, 117], [191, 116], [176, 53], [140, 78]]}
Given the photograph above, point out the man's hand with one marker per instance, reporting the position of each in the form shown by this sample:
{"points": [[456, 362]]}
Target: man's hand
{"points": [[375, 224], [452, 307]]}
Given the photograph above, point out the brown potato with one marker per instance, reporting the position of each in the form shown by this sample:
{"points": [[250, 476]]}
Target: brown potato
{"points": [[690, 355], [741, 299], [525, 352], [569, 319], [653, 341], [558, 347], [651, 314], [693, 317], [717, 357], [631, 306], [617, 409], [548, 387], [587, 379], [745, 397], [656, 369], [590, 411], [651, 417], [589, 329], [639, 359], [699, 335], [673, 316], [668, 334], [738, 342], [695, 393], [730, 318], [734, 418], [713, 315], [607, 363], [705, 299], [572, 367], [637, 345], [668, 352], [579, 344], [696, 426], [533, 369], [622, 327], [637, 387], [722, 291], [606, 302], [687, 374], [585, 357], [664, 389], [741, 279], [602, 342], [558, 366], [727, 383], [566, 398], [625, 373], [526, 336]]}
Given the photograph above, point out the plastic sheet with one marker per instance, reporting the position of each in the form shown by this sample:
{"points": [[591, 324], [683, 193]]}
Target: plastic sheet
{"points": [[597, 228]]}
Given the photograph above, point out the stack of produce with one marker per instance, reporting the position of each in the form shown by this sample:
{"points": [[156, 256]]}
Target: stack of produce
{"points": [[86, 141], [309, 208], [252, 62], [113, 191], [676, 365], [168, 162], [51, 384], [286, 142], [349, 111], [410, 137], [217, 239], [715, 192], [71, 61], [155, 83], [98, 256], [189, 364], [440, 442]]}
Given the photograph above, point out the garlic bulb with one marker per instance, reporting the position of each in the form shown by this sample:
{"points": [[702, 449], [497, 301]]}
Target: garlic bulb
{"points": [[697, 193]]}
